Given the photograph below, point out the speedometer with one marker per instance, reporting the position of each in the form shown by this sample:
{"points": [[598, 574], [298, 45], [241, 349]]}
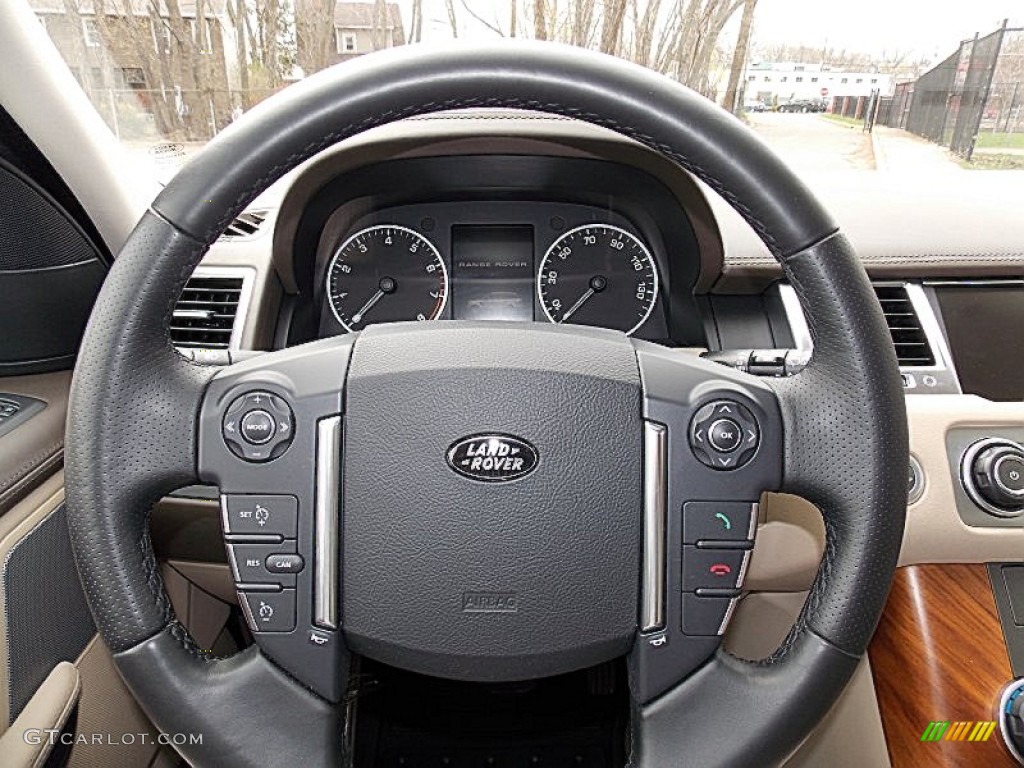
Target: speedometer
{"points": [[599, 275], [386, 273]]}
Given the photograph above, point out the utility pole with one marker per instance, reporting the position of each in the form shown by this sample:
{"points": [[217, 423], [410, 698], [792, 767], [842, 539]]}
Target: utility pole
{"points": [[739, 57]]}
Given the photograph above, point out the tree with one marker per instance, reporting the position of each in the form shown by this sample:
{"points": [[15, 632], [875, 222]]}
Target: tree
{"points": [[314, 33], [739, 57]]}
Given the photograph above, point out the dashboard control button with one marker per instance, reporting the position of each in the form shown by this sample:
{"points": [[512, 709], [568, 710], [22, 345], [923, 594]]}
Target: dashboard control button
{"points": [[249, 563], [247, 515], [993, 476], [724, 435], [269, 611], [284, 563], [713, 568], [258, 426], [718, 521], [705, 616], [1010, 473]]}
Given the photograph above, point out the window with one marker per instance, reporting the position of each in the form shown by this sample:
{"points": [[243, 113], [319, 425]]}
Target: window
{"points": [[752, 78], [133, 77], [845, 80], [799, 79], [798, 69], [347, 42], [767, 79], [91, 33], [814, 79], [96, 77], [860, 79], [874, 80], [784, 79]]}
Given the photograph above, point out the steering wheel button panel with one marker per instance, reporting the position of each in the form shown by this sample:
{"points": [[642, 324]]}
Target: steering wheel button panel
{"points": [[719, 523], [706, 616], [246, 515], [258, 426], [269, 611], [724, 435]]}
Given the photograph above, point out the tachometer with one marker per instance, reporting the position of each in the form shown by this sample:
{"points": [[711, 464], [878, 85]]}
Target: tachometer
{"points": [[386, 273], [599, 275]]}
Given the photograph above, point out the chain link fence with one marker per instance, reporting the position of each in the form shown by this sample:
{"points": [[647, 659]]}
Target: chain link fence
{"points": [[973, 99]]}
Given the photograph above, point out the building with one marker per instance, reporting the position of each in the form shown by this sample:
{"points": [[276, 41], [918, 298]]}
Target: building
{"points": [[364, 27], [140, 70], [781, 82]]}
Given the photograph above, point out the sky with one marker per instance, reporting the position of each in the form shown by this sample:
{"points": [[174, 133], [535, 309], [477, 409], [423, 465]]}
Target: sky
{"points": [[928, 28]]}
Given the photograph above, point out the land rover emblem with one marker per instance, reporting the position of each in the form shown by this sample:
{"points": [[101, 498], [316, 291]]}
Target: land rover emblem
{"points": [[492, 458]]}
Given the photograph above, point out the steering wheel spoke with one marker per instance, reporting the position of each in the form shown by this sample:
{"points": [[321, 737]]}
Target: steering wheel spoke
{"points": [[270, 439], [713, 445]]}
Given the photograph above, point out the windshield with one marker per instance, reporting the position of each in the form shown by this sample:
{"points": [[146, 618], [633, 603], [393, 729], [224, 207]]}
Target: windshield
{"points": [[840, 86]]}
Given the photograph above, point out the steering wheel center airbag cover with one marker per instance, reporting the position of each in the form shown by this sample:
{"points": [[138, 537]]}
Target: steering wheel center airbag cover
{"points": [[454, 577]]}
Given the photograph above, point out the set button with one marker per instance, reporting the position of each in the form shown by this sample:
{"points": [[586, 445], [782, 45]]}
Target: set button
{"points": [[260, 515], [724, 435], [258, 426]]}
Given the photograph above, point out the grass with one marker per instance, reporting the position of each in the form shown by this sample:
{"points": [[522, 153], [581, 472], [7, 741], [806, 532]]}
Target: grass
{"points": [[989, 161], [1001, 140], [852, 122]]}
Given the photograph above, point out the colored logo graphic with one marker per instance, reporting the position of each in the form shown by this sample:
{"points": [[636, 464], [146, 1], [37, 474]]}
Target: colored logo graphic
{"points": [[960, 730]]}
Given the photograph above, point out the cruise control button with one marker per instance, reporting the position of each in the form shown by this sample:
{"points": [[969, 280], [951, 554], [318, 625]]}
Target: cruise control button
{"points": [[284, 563], [258, 427], [269, 611], [260, 515], [705, 616], [719, 521], [725, 435], [249, 563], [712, 568]]}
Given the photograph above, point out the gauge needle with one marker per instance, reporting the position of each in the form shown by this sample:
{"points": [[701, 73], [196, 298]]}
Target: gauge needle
{"points": [[597, 284], [579, 303], [358, 316], [387, 285]]}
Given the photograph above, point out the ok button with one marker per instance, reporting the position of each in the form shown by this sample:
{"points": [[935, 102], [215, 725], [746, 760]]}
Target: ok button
{"points": [[725, 435]]}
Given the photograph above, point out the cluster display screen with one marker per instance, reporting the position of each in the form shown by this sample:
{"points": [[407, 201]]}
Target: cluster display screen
{"points": [[492, 272]]}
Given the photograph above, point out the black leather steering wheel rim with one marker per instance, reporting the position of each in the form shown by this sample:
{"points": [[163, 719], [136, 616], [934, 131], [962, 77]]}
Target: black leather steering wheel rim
{"points": [[133, 418]]}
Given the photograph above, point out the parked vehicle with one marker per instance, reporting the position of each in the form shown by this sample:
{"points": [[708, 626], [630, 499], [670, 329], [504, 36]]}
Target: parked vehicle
{"points": [[802, 105]]}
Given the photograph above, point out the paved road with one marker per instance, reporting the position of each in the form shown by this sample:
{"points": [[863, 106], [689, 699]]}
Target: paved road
{"points": [[812, 144]]}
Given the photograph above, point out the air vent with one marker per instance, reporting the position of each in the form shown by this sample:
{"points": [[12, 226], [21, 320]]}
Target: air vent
{"points": [[909, 338], [204, 316], [245, 226]]}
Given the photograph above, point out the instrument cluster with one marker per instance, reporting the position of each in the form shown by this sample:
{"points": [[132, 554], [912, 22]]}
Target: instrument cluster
{"points": [[547, 262]]}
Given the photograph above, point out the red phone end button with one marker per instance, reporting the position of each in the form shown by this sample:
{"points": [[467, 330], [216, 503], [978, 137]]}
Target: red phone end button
{"points": [[713, 569]]}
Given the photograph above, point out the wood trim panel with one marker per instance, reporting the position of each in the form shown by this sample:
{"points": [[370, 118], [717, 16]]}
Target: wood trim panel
{"points": [[939, 654]]}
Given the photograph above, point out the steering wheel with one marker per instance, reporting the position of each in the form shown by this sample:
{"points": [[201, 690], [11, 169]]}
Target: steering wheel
{"points": [[579, 552]]}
